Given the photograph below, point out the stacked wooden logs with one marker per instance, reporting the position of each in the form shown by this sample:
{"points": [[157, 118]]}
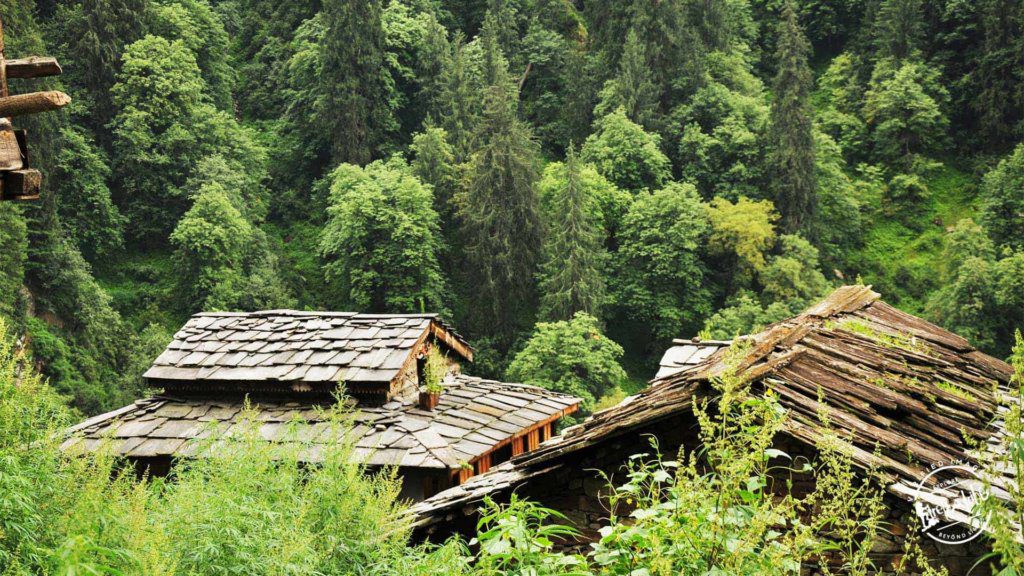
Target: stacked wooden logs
{"points": [[19, 181]]}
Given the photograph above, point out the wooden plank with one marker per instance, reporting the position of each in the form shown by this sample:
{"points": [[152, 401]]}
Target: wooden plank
{"points": [[533, 440], [483, 464], [32, 67], [32, 103]]}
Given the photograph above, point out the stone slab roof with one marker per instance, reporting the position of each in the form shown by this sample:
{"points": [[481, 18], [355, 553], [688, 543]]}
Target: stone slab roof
{"points": [[474, 417], [902, 390], [686, 353], [293, 346]]}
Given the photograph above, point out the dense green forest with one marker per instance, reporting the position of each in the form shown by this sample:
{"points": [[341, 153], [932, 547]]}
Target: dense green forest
{"points": [[572, 183]]}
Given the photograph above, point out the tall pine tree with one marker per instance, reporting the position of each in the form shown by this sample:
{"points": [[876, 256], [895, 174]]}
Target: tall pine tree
{"points": [[571, 277], [791, 132], [354, 81], [634, 88], [500, 215], [898, 29], [999, 78], [459, 100]]}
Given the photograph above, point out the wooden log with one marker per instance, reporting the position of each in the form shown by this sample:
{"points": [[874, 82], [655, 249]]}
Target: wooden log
{"points": [[22, 184], [32, 67], [32, 103]]}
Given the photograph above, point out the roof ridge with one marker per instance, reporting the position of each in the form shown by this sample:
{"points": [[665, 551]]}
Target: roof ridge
{"points": [[313, 313], [842, 300]]}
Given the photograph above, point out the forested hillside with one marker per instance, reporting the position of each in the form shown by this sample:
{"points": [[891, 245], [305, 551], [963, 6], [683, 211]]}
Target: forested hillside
{"points": [[572, 183]]}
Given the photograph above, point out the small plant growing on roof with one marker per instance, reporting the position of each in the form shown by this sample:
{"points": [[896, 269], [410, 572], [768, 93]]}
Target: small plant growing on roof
{"points": [[434, 371]]}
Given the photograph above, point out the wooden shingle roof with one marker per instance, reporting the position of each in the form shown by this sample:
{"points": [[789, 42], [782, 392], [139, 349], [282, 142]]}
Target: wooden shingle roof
{"points": [[474, 417], [289, 347], [902, 391]]}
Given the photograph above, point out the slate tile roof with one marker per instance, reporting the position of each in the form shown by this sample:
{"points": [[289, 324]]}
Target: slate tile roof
{"points": [[474, 417], [292, 346], [686, 353]]}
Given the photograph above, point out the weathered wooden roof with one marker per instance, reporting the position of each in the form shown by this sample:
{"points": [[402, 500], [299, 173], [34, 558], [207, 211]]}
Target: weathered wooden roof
{"points": [[888, 380], [685, 353], [291, 346], [474, 417]]}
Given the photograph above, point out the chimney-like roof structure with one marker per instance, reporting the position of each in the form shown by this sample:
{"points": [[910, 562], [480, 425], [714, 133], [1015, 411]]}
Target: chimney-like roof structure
{"points": [[902, 391]]}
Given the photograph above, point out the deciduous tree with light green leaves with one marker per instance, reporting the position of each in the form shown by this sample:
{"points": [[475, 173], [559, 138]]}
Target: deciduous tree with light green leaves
{"points": [[201, 28], [570, 356], [382, 240], [659, 271], [744, 232], [210, 242], [623, 153], [165, 126]]}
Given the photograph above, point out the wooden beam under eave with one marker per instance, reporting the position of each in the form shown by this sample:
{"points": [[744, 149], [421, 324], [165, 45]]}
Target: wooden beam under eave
{"points": [[32, 67], [451, 341]]}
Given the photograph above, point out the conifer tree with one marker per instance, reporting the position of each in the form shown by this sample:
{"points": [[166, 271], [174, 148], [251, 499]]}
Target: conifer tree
{"points": [[503, 16], [571, 277], [898, 29], [634, 88], [434, 163], [354, 80], [499, 211], [668, 46], [1000, 81], [460, 99], [791, 131]]}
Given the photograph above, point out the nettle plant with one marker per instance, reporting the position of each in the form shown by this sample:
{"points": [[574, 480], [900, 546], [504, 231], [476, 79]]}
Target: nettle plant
{"points": [[726, 508]]}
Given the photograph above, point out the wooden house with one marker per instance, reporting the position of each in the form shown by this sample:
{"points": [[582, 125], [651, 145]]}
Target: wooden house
{"points": [[287, 364], [903, 391]]}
